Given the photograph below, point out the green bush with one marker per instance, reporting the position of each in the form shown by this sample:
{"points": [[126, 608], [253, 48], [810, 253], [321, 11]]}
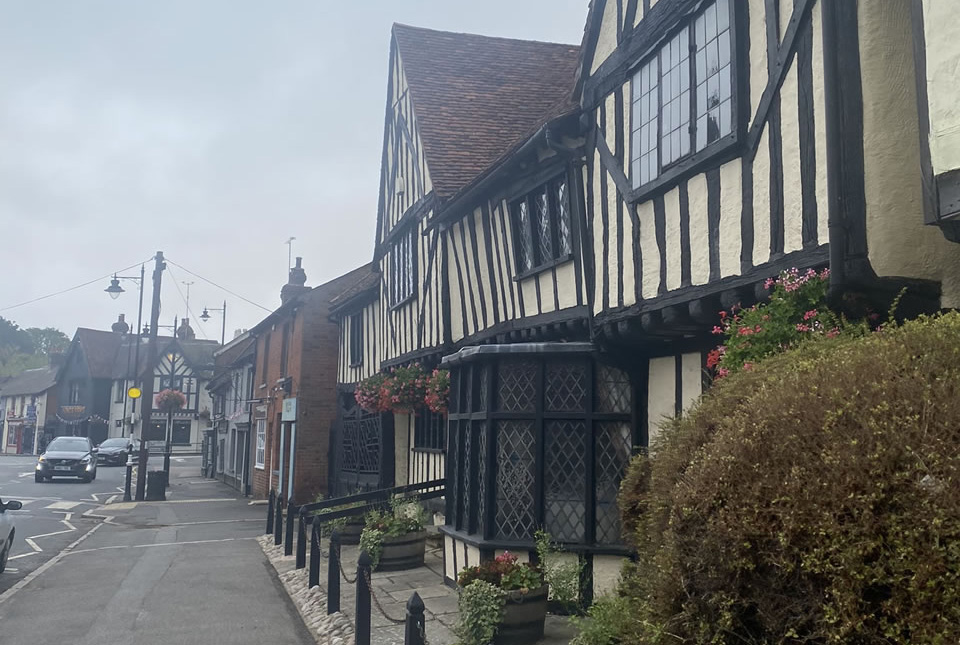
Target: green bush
{"points": [[812, 499]]}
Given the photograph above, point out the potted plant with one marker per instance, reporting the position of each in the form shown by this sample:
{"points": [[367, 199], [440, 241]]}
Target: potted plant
{"points": [[396, 539], [437, 395], [405, 388], [348, 528], [502, 601], [561, 570]]}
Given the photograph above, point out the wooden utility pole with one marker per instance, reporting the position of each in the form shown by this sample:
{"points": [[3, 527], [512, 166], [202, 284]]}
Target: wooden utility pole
{"points": [[147, 377]]}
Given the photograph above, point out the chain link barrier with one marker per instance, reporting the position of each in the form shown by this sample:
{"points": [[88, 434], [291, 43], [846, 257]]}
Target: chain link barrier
{"points": [[376, 602]]}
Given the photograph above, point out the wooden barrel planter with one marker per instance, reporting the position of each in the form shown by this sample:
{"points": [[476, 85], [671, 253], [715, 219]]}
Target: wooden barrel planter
{"points": [[403, 552], [523, 616], [350, 532]]}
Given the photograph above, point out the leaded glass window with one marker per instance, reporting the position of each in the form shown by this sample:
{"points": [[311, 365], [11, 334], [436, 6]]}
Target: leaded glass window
{"points": [[542, 227], [682, 97], [403, 268], [521, 454]]}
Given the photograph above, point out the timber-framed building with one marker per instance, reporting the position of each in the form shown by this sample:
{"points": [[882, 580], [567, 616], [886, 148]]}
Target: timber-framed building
{"points": [[564, 240]]}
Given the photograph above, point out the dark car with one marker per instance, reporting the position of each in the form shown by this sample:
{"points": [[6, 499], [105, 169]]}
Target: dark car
{"points": [[113, 452], [68, 457]]}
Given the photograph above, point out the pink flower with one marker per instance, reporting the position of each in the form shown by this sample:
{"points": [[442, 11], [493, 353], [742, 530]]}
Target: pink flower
{"points": [[802, 327], [748, 366], [723, 371], [717, 330], [810, 314], [744, 331], [833, 332], [769, 282], [757, 329]]}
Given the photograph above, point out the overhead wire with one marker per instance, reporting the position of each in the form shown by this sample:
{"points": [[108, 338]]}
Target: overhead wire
{"points": [[79, 286], [218, 286]]}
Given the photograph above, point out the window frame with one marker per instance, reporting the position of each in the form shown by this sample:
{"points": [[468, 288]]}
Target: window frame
{"points": [[121, 390], [260, 448], [717, 152], [558, 254], [404, 246], [355, 338], [430, 431]]}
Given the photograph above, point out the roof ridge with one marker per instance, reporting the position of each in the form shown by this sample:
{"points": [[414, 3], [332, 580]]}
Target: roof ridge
{"points": [[485, 36]]}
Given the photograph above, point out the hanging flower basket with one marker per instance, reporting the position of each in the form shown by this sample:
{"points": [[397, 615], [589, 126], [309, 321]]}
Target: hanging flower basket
{"points": [[406, 388], [370, 394], [170, 400], [438, 391]]}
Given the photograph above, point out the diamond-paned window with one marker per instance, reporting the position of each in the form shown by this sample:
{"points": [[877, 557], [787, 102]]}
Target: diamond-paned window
{"points": [[612, 390], [480, 434], [516, 385], [564, 480], [541, 224], [566, 386], [613, 451], [515, 480]]}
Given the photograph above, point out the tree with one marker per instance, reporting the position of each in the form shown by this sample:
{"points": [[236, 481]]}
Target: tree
{"points": [[23, 349], [48, 340]]}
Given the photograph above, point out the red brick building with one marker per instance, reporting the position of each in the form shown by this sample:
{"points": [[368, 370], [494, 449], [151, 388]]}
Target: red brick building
{"points": [[295, 388]]}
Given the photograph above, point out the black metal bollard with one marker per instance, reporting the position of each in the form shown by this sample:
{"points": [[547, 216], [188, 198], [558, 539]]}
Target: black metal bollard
{"points": [[270, 501], [288, 538], [414, 631], [301, 541], [278, 523], [361, 618], [314, 555], [129, 478], [333, 573]]}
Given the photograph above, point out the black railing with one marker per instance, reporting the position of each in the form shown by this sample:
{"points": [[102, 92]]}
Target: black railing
{"points": [[312, 514]]}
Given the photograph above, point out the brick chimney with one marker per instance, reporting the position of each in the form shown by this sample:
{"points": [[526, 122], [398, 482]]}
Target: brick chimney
{"points": [[121, 326], [185, 331], [295, 284]]}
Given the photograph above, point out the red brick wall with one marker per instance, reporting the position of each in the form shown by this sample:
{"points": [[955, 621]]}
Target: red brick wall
{"points": [[312, 366]]}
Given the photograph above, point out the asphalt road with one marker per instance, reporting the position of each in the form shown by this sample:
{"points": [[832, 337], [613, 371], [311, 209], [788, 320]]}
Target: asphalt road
{"points": [[52, 515], [181, 572]]}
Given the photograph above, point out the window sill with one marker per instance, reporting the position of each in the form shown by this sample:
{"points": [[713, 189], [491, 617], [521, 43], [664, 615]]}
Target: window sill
{"points": [[530, 273], [405, 301], [718, 152], [256, 467]]}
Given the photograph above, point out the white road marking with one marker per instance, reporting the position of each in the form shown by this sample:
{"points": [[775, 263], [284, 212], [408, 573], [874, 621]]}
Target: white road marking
{"points": [[9, 570], [33, 545], [65, 506], [22, 555], [111, 498], [25, 474], [148, 546], [6, 595], [94, 497]]}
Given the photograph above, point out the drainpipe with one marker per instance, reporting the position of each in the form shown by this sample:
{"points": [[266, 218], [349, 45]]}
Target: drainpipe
{"points": [[837, 234], [293, 448]]}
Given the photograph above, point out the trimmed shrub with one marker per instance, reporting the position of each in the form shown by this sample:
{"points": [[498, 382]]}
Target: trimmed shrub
{"points": [[812, 499]]}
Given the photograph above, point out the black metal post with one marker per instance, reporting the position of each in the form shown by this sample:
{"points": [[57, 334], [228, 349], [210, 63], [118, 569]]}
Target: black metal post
{"points": [[166, 449], [288, 538], [415, 631], [333, 572], [314, 579], [361, 618], [129, 479], [278, 523], [271, 499], [301, 542]]}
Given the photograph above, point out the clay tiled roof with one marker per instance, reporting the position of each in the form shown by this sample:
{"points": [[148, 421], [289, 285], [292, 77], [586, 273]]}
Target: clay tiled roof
{"points": [[367, 282], [100, 349], [476, 97], [33, 381]]}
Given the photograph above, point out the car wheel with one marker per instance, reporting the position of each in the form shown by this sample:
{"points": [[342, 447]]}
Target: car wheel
{"points": [[37, 477], [6, 553], [85, 479], [94, 475]]}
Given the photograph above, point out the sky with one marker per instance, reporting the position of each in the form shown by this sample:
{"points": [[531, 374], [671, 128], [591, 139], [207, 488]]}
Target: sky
{"points": [[213, 130]]}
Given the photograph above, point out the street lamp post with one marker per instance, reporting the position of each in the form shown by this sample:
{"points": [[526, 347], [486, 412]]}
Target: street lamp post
{"points": [[133, 392], [205, 316]]}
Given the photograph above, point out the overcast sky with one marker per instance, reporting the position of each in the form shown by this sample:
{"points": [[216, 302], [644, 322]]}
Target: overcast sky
{"points": [[210, 129]]}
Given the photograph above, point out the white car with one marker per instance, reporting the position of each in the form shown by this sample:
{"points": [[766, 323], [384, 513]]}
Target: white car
{"points": [[7, 530]]}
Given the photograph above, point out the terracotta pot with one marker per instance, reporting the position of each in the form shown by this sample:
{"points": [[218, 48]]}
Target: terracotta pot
{"points": [[403, 552], [523, 617]]}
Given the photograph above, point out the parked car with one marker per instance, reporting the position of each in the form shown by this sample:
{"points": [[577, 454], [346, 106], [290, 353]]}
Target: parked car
{"points": [[68, 457], [6, 530], [114, 451]]}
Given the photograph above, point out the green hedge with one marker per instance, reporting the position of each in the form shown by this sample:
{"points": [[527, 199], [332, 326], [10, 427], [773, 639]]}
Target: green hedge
{"points": [[813, 499]]}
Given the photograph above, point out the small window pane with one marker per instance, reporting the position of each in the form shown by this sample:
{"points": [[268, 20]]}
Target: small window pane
{"points": [[726, 122], [725, 84], [723, 44], [700, 31], [701, 64], [685, 109], [723, 15], [713, 57], [713, 91], [701, 133], [711, 16]]}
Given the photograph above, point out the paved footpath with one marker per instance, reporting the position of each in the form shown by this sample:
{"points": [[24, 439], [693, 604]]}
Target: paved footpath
{"points": [[185, 571]]}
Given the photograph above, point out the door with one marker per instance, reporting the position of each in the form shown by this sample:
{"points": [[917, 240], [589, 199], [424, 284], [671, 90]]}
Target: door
{"points": [[360, 448]]}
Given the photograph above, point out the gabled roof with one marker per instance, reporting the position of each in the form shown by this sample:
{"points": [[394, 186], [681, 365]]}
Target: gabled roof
{"points": [[35, 381], [475, 97], [234, 354], [198, 354], [367, 283], [100, 349]]}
